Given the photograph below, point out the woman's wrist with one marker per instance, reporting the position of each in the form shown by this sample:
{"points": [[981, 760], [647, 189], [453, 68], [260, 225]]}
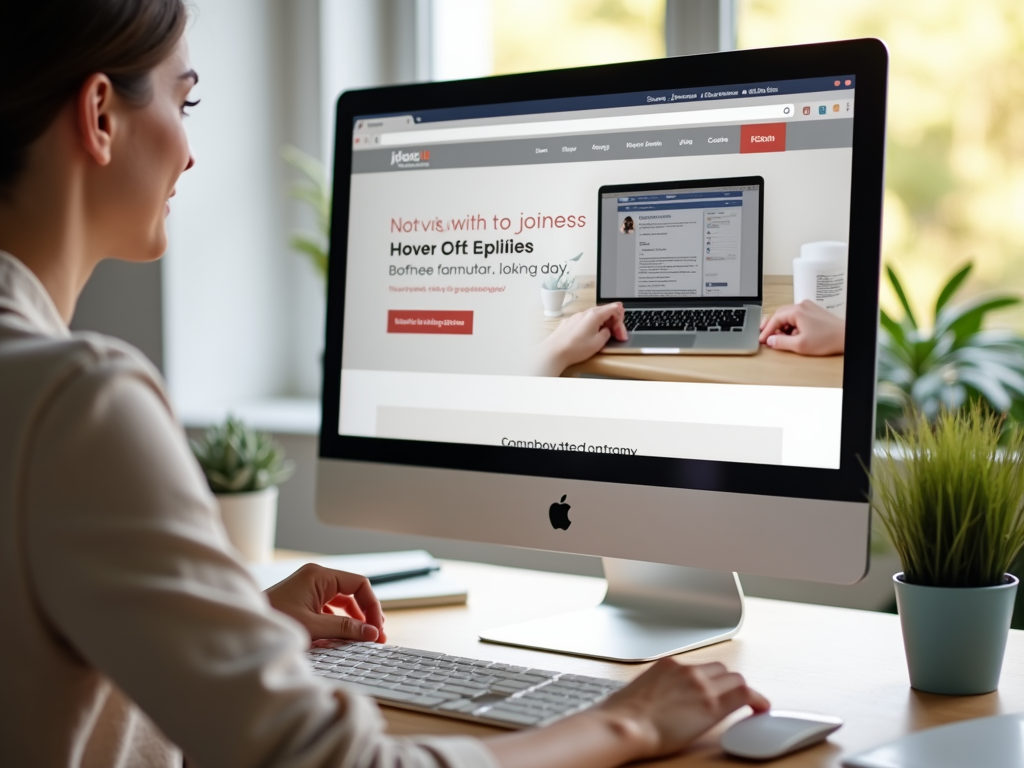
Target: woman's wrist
{"points": [[601, 737], [634, 738]]}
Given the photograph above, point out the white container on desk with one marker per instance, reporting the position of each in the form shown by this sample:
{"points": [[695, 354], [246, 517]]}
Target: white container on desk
{"points": [[819, 275]]}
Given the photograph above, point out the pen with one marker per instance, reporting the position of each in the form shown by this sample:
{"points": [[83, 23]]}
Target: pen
{"points": [[384, 578]]}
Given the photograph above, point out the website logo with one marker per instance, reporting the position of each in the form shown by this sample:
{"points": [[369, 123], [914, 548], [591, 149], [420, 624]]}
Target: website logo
{"points": [[419, 159]]}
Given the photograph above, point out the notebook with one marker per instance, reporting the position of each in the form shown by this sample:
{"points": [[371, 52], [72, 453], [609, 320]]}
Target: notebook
{"points": [[432, 588]]}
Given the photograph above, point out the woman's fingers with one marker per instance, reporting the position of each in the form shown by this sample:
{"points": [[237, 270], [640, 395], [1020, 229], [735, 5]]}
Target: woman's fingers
{"points": [[734, 693], [361, 591], [328, 626], [348, 605], [309, 591], [711, 670], [602, 313], [784, 317]]}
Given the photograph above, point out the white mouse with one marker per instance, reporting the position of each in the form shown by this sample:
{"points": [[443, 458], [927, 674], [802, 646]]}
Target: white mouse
{"points": [[777, 733]]}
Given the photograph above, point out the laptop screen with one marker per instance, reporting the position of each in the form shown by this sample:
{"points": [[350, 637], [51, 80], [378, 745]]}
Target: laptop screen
{"points": [[475, 238], [680, 241]]}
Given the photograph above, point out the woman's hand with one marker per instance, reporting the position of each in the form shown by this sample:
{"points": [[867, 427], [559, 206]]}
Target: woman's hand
{"points": [[309, 594], [582, 336], [671, 704], [804, 328], [660, 713]]}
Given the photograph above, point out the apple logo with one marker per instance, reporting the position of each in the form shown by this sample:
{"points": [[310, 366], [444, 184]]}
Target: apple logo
{"points": [[559, 514]]}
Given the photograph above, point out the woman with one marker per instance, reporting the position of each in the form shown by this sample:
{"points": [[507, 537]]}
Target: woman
{"points": [[131, 632]]}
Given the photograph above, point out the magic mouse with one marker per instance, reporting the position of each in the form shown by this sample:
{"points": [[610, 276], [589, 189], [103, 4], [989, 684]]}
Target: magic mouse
{"points": [[776, 733]]}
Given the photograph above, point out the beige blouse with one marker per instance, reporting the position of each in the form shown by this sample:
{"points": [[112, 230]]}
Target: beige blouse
{"points": [[130, 633]]}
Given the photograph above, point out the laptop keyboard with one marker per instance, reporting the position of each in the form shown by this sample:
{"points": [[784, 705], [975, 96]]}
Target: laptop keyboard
{"points": [[453, 686], [725, 319]]}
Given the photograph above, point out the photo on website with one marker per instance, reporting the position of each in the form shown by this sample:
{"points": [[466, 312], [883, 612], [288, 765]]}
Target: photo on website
{"points": [[651, 291]]}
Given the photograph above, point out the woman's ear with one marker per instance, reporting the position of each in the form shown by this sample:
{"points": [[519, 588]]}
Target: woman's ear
{"points": [[96, 118]]}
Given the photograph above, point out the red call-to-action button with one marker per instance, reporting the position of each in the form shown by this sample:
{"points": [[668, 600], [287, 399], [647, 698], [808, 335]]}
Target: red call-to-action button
{"points": [[429, 321], [770, 137]]}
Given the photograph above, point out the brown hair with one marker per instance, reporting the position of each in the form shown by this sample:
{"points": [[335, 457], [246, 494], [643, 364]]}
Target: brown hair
{"points": [[49, 48]]}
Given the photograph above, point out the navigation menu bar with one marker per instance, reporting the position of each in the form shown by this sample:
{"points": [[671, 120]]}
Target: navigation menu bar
{"points": [[622, 145]]}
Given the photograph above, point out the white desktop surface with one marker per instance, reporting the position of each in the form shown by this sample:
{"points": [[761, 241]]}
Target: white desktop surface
{"points": [[811, 658]]}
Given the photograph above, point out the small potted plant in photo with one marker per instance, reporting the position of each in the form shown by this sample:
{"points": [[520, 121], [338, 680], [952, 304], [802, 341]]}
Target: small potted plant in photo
{"points": [[950, 494], [244, 468], [556, 291]]}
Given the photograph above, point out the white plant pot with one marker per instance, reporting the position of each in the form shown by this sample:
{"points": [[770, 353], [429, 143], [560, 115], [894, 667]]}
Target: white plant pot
{"points": [[250, 520]]}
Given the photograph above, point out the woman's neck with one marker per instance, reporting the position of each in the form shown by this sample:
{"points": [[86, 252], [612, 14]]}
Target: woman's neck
{"points": [[44, 224]]}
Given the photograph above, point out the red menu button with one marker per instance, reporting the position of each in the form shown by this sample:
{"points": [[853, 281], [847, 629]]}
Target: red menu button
{"points": [[769, 137], [430, 321]]}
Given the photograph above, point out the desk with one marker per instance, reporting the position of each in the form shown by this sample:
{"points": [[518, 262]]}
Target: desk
{"points": [[767, 366], [813, 658]]}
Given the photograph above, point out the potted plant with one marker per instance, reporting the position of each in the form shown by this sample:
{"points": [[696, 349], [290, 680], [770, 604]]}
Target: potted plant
{"points": [[953, 362], [951, 498], [243, 468], [315, 191], [554, 289]]}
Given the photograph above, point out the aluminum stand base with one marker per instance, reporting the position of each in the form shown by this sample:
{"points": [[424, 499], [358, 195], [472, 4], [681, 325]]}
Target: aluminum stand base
{"points": [[649, 611]]}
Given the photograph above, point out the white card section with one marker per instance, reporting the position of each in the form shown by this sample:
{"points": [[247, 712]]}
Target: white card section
{"points": [[792, 426]]}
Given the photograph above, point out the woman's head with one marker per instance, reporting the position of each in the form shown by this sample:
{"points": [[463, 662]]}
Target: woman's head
{"points": [[96, 89]]}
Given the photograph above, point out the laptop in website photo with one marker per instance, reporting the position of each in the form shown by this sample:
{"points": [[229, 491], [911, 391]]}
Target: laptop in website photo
{"points": [[685, 259]]}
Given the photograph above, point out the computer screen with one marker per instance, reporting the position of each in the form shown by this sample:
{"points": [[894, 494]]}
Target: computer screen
{"points": [[460, 218], [480, 227]]}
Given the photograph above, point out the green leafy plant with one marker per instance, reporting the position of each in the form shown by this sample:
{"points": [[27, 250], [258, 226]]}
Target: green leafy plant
{"points": [[955, 363], [238, 459], [951, 498], [314, 190], [564, 281]]}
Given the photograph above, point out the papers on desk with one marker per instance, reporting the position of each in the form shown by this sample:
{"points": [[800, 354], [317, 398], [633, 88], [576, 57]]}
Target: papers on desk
{"points": [[433, 588]]}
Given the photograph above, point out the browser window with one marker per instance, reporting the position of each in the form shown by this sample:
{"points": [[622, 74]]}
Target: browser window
{"points": [[477, 237]]}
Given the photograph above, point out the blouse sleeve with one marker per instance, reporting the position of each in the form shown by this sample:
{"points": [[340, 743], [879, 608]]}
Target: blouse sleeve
{"points": [[130, 565]]}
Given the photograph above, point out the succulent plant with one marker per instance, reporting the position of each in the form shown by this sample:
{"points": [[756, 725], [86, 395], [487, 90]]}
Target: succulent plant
{"points": [[238, 459]]}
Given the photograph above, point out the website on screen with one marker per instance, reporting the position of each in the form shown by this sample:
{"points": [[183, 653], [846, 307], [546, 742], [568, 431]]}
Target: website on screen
{"points": [[488, 246]]}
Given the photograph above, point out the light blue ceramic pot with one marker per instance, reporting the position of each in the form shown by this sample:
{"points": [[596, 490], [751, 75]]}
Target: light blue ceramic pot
{"points": [[955, 637]]}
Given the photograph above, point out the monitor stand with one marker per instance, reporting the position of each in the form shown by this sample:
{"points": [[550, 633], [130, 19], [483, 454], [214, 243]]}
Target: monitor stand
{"points": [[649, 611]]}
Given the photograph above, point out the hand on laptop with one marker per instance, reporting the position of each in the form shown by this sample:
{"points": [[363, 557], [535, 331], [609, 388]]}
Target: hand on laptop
{"points": [[582, 336], [806, 329], [310, 594]]}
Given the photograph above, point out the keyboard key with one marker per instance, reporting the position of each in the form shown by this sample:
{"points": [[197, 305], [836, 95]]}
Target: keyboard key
{"points": [[385, 694], [468, 692], [425, 654], [517, 718], [458, 705], [542, 673], [426, 701]]}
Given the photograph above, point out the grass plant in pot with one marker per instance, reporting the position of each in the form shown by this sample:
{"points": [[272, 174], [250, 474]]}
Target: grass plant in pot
{"points": [[950, 495], [243, 468]]}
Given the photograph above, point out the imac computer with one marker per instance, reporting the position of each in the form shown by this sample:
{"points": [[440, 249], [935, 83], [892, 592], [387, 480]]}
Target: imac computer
{"points": [[489, 240]]}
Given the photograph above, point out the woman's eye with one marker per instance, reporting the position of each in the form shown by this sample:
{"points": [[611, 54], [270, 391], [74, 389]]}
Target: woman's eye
{"points": [[189, 105]]}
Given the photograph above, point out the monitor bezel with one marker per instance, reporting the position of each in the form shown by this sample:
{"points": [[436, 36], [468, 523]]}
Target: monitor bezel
{"points": [[866, 59]]}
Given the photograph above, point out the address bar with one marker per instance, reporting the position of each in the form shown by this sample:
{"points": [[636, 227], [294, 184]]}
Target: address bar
{"points": [[589, 125]]}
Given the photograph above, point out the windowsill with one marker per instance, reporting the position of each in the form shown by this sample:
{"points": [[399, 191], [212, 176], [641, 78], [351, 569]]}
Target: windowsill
{"points": [[283, 415]]}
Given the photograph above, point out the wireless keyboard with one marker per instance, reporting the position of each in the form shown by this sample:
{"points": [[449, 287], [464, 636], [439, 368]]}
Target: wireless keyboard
{"points": [[487, 692]]}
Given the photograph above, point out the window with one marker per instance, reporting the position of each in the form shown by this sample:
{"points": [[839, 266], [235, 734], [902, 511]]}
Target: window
{"points": [[955, 165], [540, 34]]}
